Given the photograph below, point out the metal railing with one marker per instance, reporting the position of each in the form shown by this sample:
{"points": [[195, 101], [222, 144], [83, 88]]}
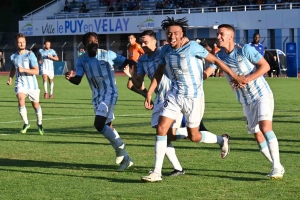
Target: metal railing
{"points": [[40, 8], [101, 13]]}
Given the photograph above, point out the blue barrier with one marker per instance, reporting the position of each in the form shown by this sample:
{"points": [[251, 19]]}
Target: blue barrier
{"points": [[291, 59]]}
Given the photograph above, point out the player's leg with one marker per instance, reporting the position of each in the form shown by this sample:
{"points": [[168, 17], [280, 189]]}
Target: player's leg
{"points": [[174, 133], [45, 79], [251, 116], [21, 96], [51, 82], [192, 108], [265, 115], [34, 97], [160, 149], [170, 111], [104, 115]]}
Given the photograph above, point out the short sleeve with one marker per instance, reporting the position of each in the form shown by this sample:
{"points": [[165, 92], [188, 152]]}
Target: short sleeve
{"points": [[252, 54], [198, 50], [33, 60], [117, 59]]}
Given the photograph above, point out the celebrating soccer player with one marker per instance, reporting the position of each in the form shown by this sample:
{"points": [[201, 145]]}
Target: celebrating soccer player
{"points": [[256, 96], [97, 65], [186, 94]]}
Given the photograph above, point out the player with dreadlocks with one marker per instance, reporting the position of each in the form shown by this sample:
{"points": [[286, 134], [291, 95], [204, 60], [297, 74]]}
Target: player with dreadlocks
{"points": [[186, 94], [97, 64]]}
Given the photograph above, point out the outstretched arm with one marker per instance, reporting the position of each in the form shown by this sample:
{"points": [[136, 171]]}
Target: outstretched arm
{"points": [[214, 60]]}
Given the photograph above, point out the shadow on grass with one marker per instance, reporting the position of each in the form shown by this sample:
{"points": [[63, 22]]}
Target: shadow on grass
{"points": [[60, 165]]}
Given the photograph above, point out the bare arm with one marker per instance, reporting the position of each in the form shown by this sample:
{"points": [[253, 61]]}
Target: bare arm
{"points": [[34, 70], [11, 75], [263, 67], [137, 80], [155, 81], [55, 58], [207, 72]]}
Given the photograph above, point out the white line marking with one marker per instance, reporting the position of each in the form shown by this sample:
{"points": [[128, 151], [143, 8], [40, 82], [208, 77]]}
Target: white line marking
{"points": [[130, 115]]}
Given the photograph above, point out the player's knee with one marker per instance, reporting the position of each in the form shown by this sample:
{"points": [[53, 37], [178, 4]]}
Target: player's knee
{"points": [[99, 123]]}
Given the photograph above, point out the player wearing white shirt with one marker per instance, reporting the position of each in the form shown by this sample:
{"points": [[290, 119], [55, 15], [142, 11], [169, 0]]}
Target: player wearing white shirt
{"points": [[25, 67], [256, 96], [97, 65], [186, 93], [147, 65], [46, 58]]}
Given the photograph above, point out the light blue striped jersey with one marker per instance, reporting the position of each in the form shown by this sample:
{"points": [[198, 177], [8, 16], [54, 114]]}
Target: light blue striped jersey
{"points": [[148, 65], [243, 61], [27, 61], [47, 64], [99, 71], [186, 68]]}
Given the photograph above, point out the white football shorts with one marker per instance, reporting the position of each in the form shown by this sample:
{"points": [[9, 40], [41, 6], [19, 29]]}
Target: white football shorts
{"points": [[258, 111], [33, 95], [157, 112], [191, 108], [105, 110], [50, 74]]}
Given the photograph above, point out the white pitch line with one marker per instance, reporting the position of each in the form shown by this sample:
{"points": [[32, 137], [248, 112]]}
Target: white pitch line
{"points": [[78, 117], [130, 115]]}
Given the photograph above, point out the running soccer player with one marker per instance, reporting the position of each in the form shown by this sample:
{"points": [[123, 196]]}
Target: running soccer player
{"points": [[25, 67], [186, 94], [256, 97], [46, 57], [97, 65], [147, 65]]}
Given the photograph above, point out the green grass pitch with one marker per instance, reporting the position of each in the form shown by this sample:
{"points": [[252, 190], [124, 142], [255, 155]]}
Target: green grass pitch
{"points": [[73, 161]]}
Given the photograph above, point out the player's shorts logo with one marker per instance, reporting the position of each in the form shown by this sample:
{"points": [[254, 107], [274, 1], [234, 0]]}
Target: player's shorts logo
{"points": [[166, 103]]}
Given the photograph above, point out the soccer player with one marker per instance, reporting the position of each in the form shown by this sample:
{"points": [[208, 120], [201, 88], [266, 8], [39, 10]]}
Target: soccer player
{"points": [[97, 65], [147, 65], [134, 53], [186, 94], [46, 57], [256, 96], [25, 67]]}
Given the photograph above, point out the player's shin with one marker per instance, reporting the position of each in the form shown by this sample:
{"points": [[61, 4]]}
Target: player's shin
{"points": [[263, 146], [23, 113], [39, 115], [274, 148], [160, 151], [171, 155]]}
